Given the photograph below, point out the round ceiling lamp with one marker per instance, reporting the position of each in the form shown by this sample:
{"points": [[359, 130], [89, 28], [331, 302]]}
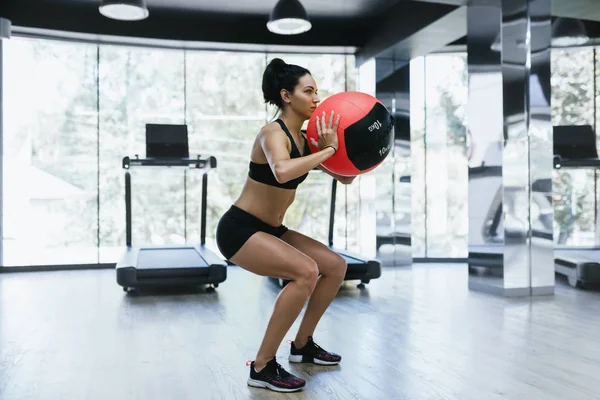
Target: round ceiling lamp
{"points": [[124, 10], [288, 17]]}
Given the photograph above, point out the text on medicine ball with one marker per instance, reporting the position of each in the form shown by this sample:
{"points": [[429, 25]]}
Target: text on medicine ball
{"points": [[375, 125]]}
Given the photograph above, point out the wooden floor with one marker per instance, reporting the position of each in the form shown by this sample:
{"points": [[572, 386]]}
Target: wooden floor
{"points": [[415, 333]]}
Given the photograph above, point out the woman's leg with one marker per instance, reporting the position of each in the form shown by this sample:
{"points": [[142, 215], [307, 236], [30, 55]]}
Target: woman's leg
{"points": [[266, 255], [332, 268]]}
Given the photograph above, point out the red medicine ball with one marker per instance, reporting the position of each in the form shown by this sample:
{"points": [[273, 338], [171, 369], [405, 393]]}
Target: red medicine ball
{"points": [[365, 133]]}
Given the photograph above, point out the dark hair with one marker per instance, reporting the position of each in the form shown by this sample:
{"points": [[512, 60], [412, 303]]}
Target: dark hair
{"points": [[279, 75]]}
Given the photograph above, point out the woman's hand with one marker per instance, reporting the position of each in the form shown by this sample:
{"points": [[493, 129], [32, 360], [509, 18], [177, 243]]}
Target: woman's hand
{"points": [[327, 132]]}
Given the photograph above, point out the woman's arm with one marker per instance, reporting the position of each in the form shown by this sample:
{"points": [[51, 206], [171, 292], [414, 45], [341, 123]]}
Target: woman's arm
{"points": [[274, 144], [345, 180]]}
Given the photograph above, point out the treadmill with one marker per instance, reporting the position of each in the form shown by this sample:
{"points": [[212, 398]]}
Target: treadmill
{"points": [[575, 147], [395, 238], [359, 267], [490, 253], [168, 266]]}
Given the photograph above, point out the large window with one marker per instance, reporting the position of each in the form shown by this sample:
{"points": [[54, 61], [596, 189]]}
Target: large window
{"points": [[446, 172], [440, 174], [73, 111], [225, 111], [50, 152], [573, 104], [138, 86]]}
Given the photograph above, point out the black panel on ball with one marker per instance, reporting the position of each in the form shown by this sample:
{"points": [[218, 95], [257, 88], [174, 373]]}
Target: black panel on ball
{"points": [[369, 140]]}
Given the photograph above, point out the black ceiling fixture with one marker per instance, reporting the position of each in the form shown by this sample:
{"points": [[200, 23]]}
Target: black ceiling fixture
{"points": [[288, 17], [124, 10]]}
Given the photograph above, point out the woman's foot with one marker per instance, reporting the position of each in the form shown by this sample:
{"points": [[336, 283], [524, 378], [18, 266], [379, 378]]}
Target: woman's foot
{"points": [[274, 377], [313, 353]]}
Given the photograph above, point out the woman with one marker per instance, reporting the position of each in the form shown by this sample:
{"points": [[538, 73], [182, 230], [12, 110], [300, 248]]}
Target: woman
{"points": [[251, 235]]}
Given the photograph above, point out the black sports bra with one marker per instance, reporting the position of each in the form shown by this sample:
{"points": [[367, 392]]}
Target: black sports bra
{"points": [[263, 173]]}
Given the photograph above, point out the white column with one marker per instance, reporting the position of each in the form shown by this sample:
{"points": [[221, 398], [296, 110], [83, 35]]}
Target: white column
{"points": [[510, 147], [5, 26]]}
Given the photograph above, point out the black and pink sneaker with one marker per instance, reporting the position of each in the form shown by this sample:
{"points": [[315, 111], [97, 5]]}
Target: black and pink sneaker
{"points": [[313, 353], [274, 377]]}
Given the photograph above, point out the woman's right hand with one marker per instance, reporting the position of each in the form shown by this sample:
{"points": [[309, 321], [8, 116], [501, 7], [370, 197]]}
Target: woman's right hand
{"points": [[327, 132]]}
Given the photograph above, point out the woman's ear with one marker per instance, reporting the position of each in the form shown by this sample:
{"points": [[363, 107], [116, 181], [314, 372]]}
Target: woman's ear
{"points": [[285, 95]]}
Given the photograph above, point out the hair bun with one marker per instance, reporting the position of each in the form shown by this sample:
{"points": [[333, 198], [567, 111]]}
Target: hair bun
{"points": [[277, 65]]}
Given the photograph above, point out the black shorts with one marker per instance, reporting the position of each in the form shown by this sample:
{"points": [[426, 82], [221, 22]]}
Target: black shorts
{"points": [[235, 228]]}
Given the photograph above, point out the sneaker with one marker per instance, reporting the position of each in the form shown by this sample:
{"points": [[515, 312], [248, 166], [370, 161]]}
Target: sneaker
{"points": [[313, 353], [274, 377]]}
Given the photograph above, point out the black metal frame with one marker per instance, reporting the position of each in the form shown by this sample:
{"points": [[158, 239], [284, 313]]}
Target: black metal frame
{"points": [[332, 211], [197, 163]]}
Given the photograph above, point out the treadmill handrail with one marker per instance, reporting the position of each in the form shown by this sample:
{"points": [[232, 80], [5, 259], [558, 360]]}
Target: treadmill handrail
{"points": [[560, 162], [332, 211], [199, 162]]}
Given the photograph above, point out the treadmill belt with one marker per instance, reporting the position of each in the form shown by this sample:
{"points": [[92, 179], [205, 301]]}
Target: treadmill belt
{"points": [[160, 258]]}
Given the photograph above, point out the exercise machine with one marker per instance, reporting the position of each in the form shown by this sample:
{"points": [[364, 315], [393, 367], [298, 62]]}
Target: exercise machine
{"points": [[395, 238], [169, 266], [359, 267], [487, 221], [575, 147]]}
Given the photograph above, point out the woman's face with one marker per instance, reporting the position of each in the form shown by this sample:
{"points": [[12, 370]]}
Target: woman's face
{"points": [[304, 99]]}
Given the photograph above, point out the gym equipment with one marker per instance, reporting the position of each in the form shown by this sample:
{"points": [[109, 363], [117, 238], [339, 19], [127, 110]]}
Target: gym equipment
{"points": [[359, 267], [365, 132], [575, 147], [168, 266], [581, 266], [487, 220], [395, 238], [486, 250]]}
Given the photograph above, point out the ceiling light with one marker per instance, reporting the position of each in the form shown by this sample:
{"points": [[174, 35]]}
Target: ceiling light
{"points": [[568, 32], [124, 10], [288, 17]]}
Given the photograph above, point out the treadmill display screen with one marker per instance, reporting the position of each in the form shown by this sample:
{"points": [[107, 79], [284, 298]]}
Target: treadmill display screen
{"points": [[166, 141]]}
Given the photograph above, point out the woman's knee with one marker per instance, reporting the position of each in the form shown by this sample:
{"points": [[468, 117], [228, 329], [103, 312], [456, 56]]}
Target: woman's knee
{"points": [[308, 273], [338, 268]]}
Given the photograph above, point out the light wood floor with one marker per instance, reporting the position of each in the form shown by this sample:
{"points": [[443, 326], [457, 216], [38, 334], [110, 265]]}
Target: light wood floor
{"points": [[415, 333]]}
